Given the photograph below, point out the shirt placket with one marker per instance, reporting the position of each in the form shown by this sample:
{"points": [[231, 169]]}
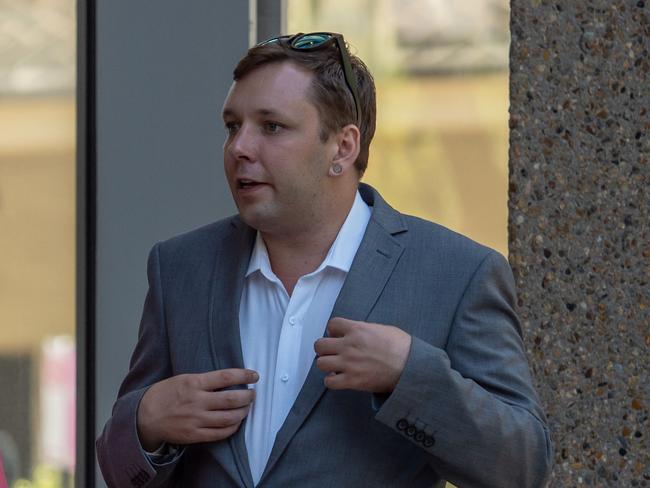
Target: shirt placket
{"points": [[286, 369]]}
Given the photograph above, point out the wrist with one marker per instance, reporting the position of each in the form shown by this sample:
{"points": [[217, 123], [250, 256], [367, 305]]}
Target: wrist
{"points": [[148, 441], [147, 436], [402, 353]]}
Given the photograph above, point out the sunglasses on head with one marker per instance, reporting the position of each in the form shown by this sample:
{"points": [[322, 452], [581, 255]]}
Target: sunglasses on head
{"points": [[319, 40]]}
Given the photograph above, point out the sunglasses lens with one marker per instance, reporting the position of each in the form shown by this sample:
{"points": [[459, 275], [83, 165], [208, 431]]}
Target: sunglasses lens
{"points": [[309, 41], [272, 40]]}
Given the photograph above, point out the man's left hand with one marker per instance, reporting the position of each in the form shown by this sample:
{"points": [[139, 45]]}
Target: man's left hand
{"points": [[362, 356]]}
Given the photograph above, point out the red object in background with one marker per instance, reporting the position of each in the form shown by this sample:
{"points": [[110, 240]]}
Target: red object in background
{"points": [[3, 479]]}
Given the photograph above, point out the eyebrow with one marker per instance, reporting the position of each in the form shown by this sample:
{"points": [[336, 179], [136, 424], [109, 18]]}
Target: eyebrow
{"points": [[265, 112]]}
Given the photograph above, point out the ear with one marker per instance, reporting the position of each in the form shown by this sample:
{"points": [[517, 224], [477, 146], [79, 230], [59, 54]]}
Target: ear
{"points": [[348, 145]]}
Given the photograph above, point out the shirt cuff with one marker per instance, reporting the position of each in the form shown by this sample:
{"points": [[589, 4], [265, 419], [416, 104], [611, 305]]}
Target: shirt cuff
{"points": [[164, 454], [377, 400]]}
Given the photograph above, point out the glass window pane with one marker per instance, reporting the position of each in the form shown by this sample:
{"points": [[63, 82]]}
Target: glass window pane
{"points": [[37, 242], [441, 70]]}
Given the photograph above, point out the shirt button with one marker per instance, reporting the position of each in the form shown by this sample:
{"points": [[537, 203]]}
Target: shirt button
{"points": [[285, 377], [292, 320]]}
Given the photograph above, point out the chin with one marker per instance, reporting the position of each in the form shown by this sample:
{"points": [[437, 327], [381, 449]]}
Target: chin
{"points": [[258, 220]]}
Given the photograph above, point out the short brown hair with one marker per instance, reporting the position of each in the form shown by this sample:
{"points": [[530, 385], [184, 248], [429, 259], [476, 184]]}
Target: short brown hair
{"points": [[329, 91]]}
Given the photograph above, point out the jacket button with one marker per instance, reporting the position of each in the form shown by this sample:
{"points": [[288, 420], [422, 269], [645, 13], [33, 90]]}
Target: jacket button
{"points": [[419, 436], [402, 424], [429, 441], [410, 430]]}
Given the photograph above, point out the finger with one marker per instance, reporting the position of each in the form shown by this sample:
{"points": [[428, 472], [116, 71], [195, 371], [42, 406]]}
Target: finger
{"points": [[327, 345], [227, 399], [330, 364], [337, 381], [338, 326], [223, 378], [223, 418]]}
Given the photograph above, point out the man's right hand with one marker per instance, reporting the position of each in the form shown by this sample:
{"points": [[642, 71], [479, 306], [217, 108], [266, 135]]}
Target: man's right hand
{"points": [[189, 408]]}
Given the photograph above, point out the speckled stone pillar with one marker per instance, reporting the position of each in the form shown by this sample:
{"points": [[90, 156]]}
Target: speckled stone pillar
{"points": [[579, 228]]}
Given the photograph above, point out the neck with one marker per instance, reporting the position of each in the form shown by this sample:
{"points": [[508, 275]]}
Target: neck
{"points": [[300, 253]]}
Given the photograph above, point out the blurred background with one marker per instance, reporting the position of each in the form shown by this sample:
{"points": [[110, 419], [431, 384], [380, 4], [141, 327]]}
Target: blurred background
{"points": [[441, 70], [37, 240], [440, 152]]}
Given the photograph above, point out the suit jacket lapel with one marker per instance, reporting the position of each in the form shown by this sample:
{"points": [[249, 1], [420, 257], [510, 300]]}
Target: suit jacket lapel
{"points": [[227, 284], [373, 265]]}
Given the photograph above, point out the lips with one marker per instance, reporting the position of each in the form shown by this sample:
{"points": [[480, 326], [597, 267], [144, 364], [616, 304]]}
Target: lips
{"points": [[249, 183]]}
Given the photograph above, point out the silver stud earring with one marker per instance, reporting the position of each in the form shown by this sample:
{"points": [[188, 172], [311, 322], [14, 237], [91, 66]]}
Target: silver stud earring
{"points": [[337, 169]]}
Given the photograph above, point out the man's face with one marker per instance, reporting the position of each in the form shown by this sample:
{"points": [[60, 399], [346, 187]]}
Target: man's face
{"points": [[275, 161]]}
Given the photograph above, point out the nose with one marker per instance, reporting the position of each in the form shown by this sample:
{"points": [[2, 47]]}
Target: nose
{"points": [[242, 144]]}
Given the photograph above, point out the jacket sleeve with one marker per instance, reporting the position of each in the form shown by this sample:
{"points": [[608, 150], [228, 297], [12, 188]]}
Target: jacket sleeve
{"points": [[472, 406], [122, 460]]}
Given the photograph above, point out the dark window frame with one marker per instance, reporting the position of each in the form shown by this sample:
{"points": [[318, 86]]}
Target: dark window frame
{"points": [[86, 166]]}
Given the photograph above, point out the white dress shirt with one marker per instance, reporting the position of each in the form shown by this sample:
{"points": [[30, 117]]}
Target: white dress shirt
{"points": [[278, 331]]}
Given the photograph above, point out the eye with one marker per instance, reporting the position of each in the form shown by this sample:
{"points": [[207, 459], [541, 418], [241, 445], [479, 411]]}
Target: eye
{"points": [[231, 127], [272, 127]]}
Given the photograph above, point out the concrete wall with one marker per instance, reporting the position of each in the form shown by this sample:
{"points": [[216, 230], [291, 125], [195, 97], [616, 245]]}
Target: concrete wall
{"points": [[579, 228]]}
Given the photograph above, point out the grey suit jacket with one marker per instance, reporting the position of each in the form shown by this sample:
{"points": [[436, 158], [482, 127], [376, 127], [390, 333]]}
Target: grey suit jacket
{"points": [[464, 409]]}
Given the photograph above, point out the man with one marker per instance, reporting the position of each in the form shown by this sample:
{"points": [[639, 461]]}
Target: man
{"points": [[321, 338]]}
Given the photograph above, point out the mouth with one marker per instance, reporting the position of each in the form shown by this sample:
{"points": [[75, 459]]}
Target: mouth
{"points": [[249, 184]]}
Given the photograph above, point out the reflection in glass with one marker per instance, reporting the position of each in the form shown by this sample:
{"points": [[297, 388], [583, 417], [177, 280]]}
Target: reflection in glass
{"points": [[37, 242]]}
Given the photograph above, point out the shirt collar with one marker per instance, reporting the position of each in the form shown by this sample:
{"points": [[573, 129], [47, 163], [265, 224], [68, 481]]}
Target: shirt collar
{"points": [[341, 253], [260, 260]]}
